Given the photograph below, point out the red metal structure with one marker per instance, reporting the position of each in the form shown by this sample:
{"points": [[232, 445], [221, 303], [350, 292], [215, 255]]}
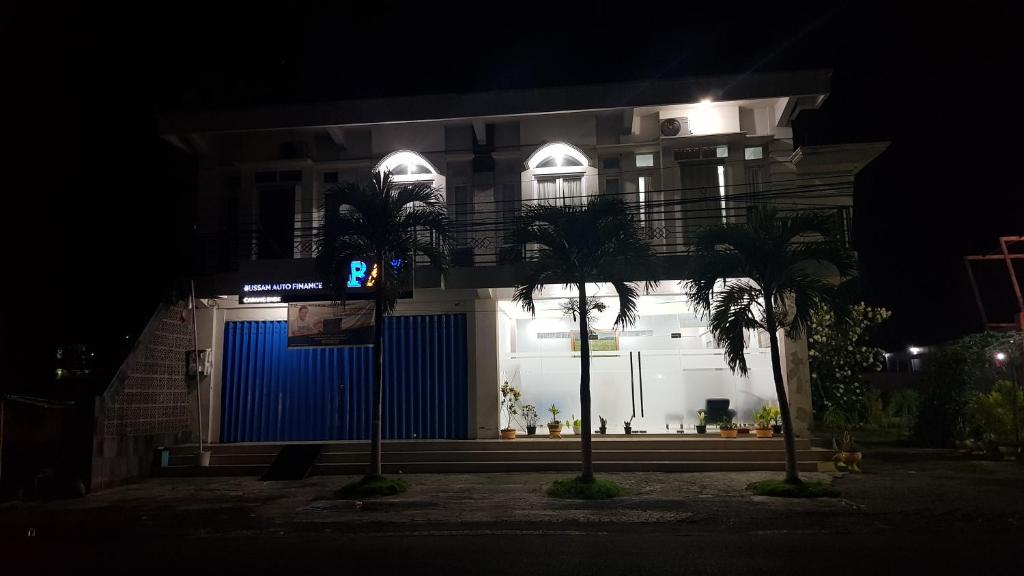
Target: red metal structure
{"points": [[1006, 246]]}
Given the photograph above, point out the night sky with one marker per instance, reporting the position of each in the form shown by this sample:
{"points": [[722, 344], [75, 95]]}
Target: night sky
{"points": [[97, 206]]}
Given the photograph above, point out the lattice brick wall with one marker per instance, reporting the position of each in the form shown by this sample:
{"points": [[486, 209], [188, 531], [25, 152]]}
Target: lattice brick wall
{"points": [[151, 394]]}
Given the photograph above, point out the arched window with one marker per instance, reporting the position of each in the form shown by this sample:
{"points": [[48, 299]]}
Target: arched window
{"points": [[408, 166], [558, 155], [560, 174]]}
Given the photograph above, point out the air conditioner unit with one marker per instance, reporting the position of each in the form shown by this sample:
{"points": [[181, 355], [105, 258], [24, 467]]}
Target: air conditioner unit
{"points": [[679, 126]]}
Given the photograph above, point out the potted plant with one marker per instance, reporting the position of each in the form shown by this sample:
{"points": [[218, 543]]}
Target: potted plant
{"points": [[850, 453], [555, 425], [702, 426], [627, 425], [510, 404], [763, 420], [776, 420], [530, 417], [603, 429], [574, 423], [727, 428]]}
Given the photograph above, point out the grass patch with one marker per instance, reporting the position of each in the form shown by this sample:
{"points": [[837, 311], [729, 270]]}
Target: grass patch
{"points": [[781, 489], [580, 490], [372, 486]]}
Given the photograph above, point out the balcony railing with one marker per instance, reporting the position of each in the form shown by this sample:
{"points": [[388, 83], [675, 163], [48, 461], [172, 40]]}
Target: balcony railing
{"points": [[482, 231]]}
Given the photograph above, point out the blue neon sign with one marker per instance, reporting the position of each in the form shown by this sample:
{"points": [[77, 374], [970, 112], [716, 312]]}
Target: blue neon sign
{"points": [[360, 275]]}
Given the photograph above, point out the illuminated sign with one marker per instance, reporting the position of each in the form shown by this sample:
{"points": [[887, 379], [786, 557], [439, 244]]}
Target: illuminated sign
{"points": [[283, 287], [360, 275], [298, 287], [260, 299]]}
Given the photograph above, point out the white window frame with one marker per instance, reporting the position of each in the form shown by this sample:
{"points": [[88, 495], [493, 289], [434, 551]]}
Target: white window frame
{"points": [[560, 198]]}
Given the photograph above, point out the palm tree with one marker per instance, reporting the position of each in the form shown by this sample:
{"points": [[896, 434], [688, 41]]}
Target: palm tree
{"points": [[767, 274], [595, 242], [389, 223]]}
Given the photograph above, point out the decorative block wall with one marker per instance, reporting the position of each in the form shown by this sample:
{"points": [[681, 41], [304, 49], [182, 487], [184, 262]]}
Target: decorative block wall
{"points": [[151, 401]]}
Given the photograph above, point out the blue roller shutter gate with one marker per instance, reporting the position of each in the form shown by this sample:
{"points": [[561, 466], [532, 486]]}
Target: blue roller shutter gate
{"points": [[272, 394]]}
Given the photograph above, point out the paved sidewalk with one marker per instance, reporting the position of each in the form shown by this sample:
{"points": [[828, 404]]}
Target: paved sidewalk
{"points": [[899, 490]]}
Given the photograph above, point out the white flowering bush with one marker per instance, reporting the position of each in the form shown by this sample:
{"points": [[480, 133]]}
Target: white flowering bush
{"points": [[839, 354]]}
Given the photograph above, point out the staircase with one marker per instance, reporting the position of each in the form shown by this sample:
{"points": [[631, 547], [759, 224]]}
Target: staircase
{"points": [[611, 454]]}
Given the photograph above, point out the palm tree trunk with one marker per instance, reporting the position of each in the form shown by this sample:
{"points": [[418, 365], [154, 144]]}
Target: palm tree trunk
{"points": [[378, 378], [586, 441], [792, 475]]}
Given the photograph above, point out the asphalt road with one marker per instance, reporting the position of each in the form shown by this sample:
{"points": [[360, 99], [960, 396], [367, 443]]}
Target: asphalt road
{"points": [[498, 551]]}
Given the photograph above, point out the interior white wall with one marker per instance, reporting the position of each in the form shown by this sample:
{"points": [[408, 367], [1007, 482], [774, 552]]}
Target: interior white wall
{"points": [[679, 374]]}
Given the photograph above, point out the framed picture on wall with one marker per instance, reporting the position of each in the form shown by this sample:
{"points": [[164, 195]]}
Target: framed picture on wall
{"points": [[600, 340]]}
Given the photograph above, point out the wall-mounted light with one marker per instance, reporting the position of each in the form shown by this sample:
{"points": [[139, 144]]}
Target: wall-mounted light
{"points": [[1000, 356], [914, 350]]}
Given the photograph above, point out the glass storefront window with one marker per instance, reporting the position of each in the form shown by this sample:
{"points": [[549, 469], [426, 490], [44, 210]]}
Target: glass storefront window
{"points": [[663, 369]]}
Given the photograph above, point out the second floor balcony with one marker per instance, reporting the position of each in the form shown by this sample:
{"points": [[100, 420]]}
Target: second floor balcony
{"points": [[483, 230]]}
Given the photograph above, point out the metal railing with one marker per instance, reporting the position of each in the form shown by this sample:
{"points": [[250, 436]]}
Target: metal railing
{"points": [[482, 230]]}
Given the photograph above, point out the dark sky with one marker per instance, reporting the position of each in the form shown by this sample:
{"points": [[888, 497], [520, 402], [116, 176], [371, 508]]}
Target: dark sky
{"points": [[96, 205]]}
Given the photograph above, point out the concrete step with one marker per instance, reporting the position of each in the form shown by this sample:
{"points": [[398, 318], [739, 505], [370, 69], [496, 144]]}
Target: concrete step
{"points": [[655, 454], [528, 466], [190, 471], [570, 455], [687, 442]]}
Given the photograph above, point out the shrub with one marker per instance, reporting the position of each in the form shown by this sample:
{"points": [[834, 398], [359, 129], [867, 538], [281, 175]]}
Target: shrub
{"points": [[577, 489], [953, 375], [781, 489], [991, 415], [373, 486], [839, 352]]}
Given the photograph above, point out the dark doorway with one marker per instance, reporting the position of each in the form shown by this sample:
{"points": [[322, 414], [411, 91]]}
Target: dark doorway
{"points": [[276, 222]]}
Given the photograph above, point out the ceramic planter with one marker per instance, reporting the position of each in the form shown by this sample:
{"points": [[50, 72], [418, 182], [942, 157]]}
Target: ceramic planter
{"points": [[602, 430], [531, 430], [555, 430], [743, 430], [576, 430], [777, 429], [852, 460], [702, 429], [628, 429], [731, 433], [764, 433], [508, 434]]}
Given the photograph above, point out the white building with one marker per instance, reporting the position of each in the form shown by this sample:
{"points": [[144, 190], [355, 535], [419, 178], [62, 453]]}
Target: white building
{"points": [[683, 153]]}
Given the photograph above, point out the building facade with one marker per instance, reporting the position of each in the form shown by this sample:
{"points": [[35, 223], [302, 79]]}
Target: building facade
{"points": [[683, 155]]}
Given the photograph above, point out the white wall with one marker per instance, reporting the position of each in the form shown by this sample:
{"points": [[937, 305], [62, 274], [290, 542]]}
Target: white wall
{"points": [[707, 119], [577, 129], [418, 137]]}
